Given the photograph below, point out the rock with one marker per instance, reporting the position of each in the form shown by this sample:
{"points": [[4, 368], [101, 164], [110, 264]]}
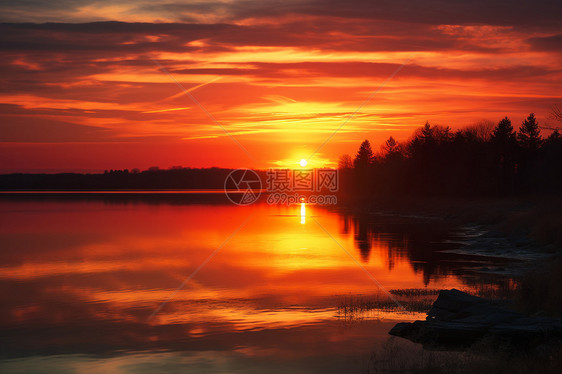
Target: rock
{"points": [[458, 320]]}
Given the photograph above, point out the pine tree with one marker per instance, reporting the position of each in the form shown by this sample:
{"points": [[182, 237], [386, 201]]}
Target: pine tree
{"points": [[364, 156], [390, 146], [529, 135], [553, 140], [426, 132], [503, 133]]}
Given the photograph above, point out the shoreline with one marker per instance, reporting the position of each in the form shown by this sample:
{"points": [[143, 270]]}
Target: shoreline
{"points": [[529, 227]]}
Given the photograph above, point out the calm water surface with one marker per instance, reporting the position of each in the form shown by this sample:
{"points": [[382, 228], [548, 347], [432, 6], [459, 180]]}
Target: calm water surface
{"points": [[81, 278]]}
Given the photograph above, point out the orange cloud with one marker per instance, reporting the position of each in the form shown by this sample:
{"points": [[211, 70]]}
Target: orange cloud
{"points": [[279, 83]]}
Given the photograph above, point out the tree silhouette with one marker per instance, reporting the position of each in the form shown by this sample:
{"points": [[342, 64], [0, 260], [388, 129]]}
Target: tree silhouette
{"points": [[390, 146], [503, 133], [364, 156], [426, 131], [529, 135], [362, 173], [345, 162], [556, 113], [482, 130], [554, 137], [434, 134]]}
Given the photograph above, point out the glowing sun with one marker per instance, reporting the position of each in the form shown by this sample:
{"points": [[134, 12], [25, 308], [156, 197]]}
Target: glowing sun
{"points": [[303, 162]]}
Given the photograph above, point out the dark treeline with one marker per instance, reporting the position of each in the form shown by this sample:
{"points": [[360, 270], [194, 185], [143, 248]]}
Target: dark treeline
{"points": [[485, 159], [153, 178]]}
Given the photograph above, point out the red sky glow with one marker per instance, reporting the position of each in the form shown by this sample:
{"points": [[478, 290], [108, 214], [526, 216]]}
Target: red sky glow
{"points": [[81, 92]]}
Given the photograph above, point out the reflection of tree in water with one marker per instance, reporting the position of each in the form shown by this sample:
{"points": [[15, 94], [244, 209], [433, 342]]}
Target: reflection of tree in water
{"points": [[362, 238], [420, 241]]}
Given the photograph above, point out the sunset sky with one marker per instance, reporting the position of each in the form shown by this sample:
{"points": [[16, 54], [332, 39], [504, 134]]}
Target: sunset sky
{"points": [[81, 89]]}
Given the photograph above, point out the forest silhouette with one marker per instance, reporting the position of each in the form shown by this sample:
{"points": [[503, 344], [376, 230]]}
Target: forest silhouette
{"points": [[154, 178], [483, 160]]}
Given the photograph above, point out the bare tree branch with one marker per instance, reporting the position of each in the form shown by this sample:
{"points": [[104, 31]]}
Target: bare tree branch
{"points": [[555, 113]]}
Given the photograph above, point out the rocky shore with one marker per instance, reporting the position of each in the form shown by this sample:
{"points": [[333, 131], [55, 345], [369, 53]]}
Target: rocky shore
{"points": [[458, 320]]}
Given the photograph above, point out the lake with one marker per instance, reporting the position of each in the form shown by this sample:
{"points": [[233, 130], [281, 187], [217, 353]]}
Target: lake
{"points": [[130, 284]]}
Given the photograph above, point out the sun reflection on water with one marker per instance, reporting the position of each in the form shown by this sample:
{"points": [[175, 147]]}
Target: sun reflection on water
{"points": [[106, 267]]}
